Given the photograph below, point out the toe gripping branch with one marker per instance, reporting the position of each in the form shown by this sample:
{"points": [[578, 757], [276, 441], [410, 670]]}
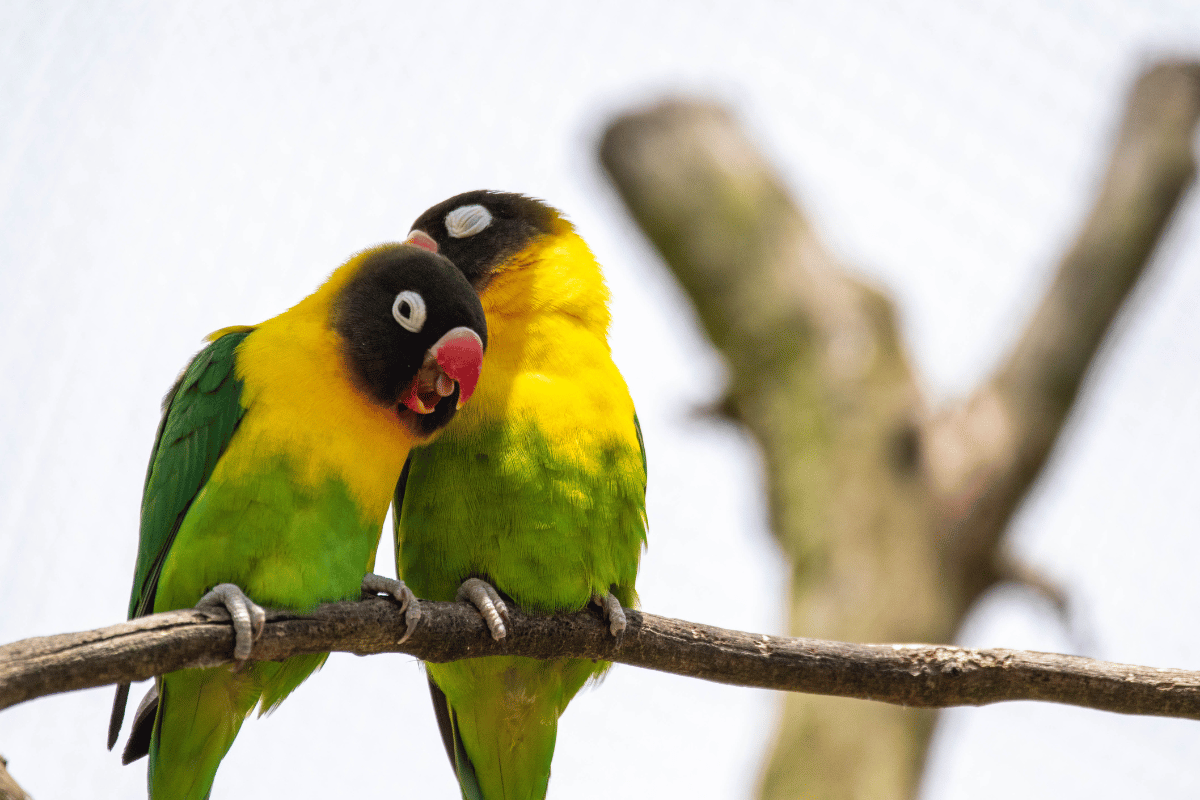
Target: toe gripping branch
{"points": [[248, 616], [494, 611], [612, 612], [373, 584], [480, 594]]}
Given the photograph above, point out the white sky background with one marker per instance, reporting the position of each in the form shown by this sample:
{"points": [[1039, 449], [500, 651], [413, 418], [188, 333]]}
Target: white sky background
{"points": [[168, 169]]}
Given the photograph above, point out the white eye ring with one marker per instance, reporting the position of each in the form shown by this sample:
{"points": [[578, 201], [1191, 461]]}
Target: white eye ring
{"points": [[409, 311], [467, 221]]}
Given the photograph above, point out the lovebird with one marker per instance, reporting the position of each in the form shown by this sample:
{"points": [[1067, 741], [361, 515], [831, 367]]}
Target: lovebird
{"points": [[273, 468], [535, 495]]}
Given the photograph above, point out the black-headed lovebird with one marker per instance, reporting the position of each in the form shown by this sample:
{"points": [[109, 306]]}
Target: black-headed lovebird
{"points": [[534, 495], [276, 459]]}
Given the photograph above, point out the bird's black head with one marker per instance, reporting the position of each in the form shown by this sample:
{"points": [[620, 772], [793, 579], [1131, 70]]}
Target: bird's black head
{"points": [[480, 229], [413, 333]]}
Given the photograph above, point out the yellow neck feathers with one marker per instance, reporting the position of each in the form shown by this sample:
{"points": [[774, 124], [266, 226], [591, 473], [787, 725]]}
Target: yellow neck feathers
{"points": [[302, 404], [548, 357], [555, 274]]}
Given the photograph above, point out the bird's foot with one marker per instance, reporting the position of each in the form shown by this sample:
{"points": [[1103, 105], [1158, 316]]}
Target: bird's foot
{"points": [[612, 612], [248, 616], [397, 590], [481, 595]]}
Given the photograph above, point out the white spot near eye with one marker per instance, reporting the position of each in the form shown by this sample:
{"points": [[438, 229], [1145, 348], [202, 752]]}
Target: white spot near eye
{"points": [[409, 310], [467, 221]]}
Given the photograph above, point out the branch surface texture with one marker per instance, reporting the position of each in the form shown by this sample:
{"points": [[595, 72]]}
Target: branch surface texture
{"points": [[928, 676]]}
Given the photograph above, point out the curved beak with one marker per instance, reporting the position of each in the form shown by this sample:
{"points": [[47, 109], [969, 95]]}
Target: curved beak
{"points": [[457, 357], [460, 355], [422, 239]]}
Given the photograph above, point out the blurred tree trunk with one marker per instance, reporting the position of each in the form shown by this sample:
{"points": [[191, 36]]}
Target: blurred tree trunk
{"points": [[892, 514], [9, 790]]}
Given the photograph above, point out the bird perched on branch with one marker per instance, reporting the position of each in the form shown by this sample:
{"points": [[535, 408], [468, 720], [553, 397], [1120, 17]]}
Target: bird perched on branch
{"points": [[276, 459], [535, 495]]}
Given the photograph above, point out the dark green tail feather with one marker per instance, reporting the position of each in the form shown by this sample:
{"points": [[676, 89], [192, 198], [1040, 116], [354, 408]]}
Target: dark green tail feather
{"points": [[441, 709], [118, 714], [463, 768], [141, 732]]}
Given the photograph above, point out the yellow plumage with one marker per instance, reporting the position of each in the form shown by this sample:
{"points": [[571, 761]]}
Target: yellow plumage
{"points": [[548, 318], [293, 373], [271, 475]]}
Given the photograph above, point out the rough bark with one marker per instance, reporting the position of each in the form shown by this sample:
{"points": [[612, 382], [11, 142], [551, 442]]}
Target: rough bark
{"points": [[891, 515], [926, 676]]}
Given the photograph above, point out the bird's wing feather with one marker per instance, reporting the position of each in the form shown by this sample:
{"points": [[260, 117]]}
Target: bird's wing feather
{"points": [[398, 504], [200, 414], [637, 426]]}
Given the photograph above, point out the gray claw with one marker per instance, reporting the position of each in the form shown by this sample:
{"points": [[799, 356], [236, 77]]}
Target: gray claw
{"points": [[398, 591], [248, 616], [612, 612], [481, 595]]}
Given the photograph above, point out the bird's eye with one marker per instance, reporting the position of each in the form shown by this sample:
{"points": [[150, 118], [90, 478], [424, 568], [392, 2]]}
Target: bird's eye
{"points": [[467, 221], [409, 310]]}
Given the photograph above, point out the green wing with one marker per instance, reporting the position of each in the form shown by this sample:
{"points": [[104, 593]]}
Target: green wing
{"points": [[398, 505], [637, 426], [200, 414]]}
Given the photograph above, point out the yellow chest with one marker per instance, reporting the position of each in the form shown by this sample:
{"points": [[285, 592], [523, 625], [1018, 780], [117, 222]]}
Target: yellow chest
{"points": [[302, 405], [548, 358]]}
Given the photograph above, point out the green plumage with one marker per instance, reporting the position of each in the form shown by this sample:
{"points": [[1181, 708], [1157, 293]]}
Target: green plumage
{"points": [[538, 488], [273, 467], [200, 414], [496, 503], [283, 542]]}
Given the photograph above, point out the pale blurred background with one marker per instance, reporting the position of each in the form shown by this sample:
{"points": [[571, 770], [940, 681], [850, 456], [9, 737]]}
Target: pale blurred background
{"points": [[170, 168]]}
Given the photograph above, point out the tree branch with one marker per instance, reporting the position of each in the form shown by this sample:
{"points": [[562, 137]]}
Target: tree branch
{"points": [[927, 676], [891, 516], [1003, 435], [820, 378]]}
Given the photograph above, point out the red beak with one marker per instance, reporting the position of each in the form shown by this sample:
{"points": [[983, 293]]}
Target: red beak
{"points": [[422, 239], [457, 357], [460, 355]]}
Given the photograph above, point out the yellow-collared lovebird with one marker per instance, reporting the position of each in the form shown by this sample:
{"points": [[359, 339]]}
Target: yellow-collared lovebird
{"points": [[276, 459], [536, 492]]}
